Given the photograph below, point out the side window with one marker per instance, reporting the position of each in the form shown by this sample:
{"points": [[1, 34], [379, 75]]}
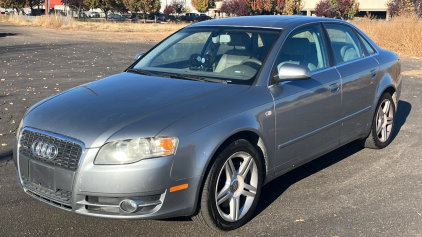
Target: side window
{"points": [[304, 47], [367, 45], [345, 43]]}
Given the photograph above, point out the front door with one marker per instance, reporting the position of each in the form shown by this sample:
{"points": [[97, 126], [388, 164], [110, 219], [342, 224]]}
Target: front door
{"points": [[307, 111]]}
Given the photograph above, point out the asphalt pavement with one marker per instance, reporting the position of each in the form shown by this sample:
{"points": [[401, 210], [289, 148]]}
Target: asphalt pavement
{"points": [[348, 192]]}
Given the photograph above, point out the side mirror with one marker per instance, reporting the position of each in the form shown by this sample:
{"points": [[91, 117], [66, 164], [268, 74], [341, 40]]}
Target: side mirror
{"points": [[138, 56], [292, 72]]}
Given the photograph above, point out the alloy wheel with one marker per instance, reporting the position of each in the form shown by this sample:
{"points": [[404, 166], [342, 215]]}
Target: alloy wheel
{"points": [[385, 119], [236, 186]]}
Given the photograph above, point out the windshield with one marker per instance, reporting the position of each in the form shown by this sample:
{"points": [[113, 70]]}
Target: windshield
{"points": [[219, 54]]}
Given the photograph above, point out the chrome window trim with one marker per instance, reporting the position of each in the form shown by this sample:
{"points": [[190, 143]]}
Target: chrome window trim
{"points": [[363, 37], [236, 26]]}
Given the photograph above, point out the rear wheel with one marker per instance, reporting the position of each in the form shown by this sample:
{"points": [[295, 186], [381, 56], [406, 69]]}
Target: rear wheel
{"points": [[382, 125], [232, 188]]}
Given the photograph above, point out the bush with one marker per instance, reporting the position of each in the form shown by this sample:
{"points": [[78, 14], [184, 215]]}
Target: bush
{"points": [[324, 8], [404, 7], [236, 7]]}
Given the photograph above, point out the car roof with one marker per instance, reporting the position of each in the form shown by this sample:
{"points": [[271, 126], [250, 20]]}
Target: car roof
{"points": [[272, 21]]}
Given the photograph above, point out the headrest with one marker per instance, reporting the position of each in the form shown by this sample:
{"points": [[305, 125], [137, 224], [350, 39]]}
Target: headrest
{"points": [[239, 39], [297, 46]]}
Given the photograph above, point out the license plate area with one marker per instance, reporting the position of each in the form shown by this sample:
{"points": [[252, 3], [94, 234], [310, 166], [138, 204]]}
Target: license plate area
{"points": [[42, 175]]}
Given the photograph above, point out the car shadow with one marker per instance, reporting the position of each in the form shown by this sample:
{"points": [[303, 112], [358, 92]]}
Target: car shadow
{"points": [[6, 155], [274, 189], [278, 186], [402, 113], [7, 34]]}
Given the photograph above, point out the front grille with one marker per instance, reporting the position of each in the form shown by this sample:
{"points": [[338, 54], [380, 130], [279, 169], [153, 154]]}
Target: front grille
{"points": [[68, 155], [61, 195], [49, 200]]}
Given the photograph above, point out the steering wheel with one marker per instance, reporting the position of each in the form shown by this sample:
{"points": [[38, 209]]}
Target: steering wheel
{"points": [[204, 62], [251, 60]]}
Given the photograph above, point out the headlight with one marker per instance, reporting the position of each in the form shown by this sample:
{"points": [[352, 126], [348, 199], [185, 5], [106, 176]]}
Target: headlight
{"points": [[129, 151]]}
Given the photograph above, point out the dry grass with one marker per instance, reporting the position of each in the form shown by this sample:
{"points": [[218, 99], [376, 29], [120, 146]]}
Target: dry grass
{"points": [[403, 35], [148, 31]]}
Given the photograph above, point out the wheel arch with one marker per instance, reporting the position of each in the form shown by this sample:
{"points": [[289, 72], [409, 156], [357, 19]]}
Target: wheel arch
{"points": [[248, 134], [386, 85]]}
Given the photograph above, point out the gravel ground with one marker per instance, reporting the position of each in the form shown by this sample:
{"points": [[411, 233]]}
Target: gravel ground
{"points": [[348, 192]]}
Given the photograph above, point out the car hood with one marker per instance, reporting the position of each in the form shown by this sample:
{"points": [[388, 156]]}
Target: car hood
{"points": [[93, 112]]}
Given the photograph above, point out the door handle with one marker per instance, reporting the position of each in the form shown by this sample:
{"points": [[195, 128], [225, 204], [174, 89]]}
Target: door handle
{"points": [[373, 73], [334, 87]]}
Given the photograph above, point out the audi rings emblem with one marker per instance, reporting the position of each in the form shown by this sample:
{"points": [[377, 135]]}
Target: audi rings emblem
{"points": [[44, 149]]}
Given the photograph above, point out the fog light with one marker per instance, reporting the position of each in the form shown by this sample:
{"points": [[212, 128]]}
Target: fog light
{"points": [[128, 205]]}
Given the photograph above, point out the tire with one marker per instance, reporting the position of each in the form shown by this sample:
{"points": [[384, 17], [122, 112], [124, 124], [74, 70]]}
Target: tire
{"points": [[235, 180], [382, 124]]}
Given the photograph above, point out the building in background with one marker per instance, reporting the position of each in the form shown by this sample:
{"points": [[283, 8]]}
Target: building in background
{"points": [[377, 8]]}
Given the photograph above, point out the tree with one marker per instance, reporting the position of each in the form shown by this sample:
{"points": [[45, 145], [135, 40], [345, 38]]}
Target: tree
{"points": [[201, 5], [260, 6], [178, 6], [293, 7], [345, 9], [236, 7], [404, 7], [169, 9], [324, 8], [187, 9], [279, 6], [145, 6], [104, 5], [33, 3], [77, 5], [15, 4]]}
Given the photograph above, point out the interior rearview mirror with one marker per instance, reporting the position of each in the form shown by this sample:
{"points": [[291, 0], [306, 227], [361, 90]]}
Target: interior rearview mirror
{"points": [[138, 56], [292, 72]]}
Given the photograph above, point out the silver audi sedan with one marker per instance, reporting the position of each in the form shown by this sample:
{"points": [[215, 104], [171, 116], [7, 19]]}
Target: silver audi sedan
{"points": [[198, 124]]}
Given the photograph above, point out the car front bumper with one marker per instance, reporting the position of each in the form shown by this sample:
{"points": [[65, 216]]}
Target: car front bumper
{"points": [[98, 190]]}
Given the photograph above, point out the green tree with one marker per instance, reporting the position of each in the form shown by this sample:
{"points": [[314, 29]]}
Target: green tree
{"points": [[293, 7], [34, 3], [145, 6], [15, 4], [201, 5], [104, 5], [345, 9], [279, 6], [77, 5]]}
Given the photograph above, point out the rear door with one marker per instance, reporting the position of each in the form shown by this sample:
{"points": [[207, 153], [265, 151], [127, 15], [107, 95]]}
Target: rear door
{"points": [[359, 73]]}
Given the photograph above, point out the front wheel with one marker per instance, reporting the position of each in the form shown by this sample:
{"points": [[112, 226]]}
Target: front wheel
{"points": [[232, 187], [382, 125]]}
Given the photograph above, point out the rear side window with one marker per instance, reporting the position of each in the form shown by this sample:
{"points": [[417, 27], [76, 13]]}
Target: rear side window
{"points": [[367, 45], [345, 43]]}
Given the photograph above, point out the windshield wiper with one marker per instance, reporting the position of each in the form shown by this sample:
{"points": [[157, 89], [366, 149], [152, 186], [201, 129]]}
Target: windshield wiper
{"points": [[140, 71], [193, 78]]}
